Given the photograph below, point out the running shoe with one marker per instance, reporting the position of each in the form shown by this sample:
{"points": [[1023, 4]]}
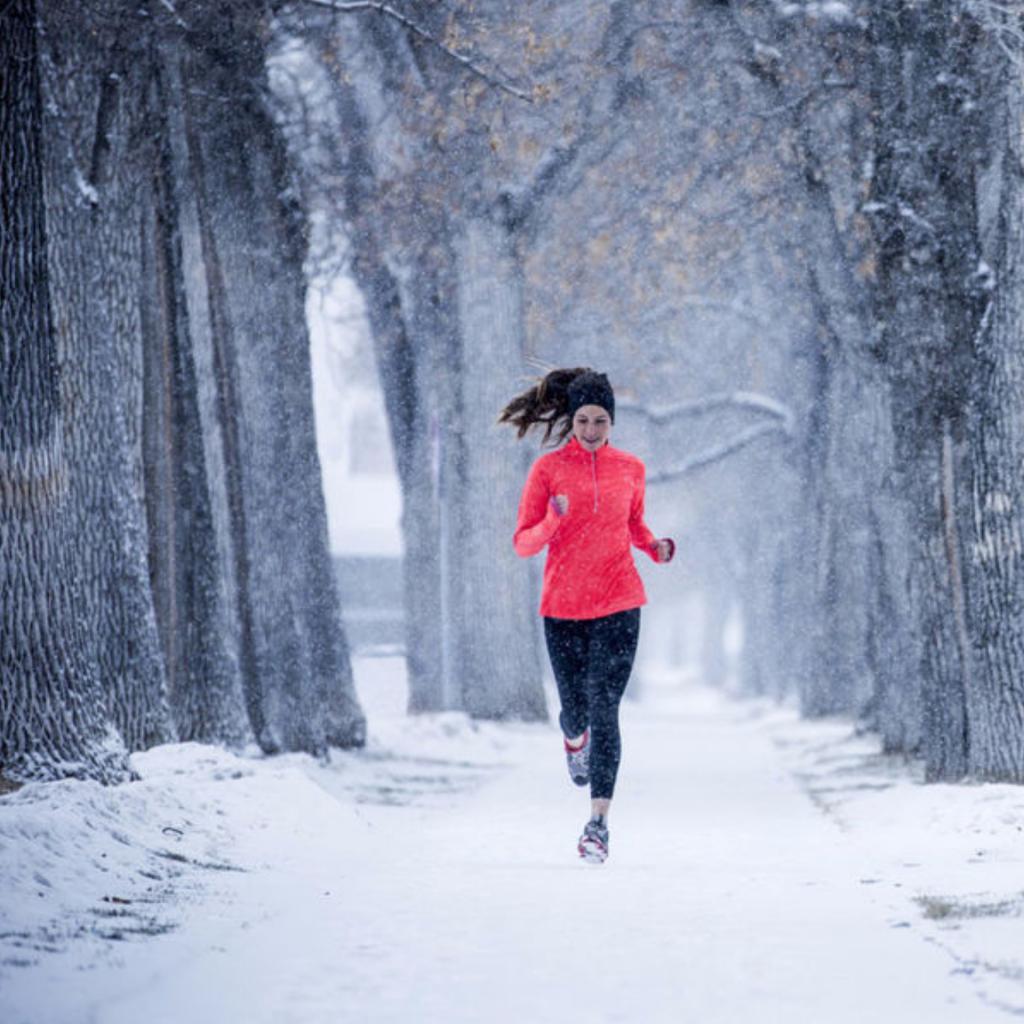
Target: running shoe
{"points": [[593, 844], [578, 759]]}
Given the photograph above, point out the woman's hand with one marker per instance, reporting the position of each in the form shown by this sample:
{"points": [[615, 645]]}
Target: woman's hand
{"points": [[665, 549], [560, 503]]}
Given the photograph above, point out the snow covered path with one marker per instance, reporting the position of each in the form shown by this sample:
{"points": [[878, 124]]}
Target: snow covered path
{"points": [[441, 885]]}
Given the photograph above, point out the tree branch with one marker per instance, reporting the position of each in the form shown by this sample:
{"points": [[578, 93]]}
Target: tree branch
{"points": [[1003, 21], [350, 6], [718, 452], [779, 411]]}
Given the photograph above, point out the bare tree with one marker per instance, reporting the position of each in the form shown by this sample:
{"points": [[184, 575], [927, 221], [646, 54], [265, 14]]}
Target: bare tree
{"points": [[165, 546], [230, 188], [55, 717]]}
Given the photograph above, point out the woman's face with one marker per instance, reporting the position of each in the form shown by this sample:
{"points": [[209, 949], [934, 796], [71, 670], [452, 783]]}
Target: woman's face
{"points": [[591, 426]]}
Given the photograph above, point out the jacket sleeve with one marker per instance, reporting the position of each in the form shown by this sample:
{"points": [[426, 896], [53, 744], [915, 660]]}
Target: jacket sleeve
{"points": [[538, 521], [639, 534]]}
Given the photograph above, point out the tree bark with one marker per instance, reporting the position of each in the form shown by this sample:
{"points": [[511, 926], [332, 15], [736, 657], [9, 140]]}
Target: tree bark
{"points": [[251, 245], [925, 225], [499, 669], [95, 87], [995, 703], [186, 567], [431, 516], [53, 713], [406, 293]]}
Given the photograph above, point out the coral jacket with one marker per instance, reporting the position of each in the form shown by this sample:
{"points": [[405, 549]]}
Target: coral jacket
{"points": [[589, 570]]}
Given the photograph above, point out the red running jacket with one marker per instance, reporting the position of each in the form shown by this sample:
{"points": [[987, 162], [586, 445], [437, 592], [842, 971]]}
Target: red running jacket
{"points": [[589, 570]]}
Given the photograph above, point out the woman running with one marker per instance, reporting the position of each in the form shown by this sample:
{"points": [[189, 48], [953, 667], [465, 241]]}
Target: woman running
{"points": [[584, 501]]}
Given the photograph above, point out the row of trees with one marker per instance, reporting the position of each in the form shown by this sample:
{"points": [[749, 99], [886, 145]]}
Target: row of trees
{"points": [[805, 209], [863, 158], [164, 570], [442, 145], [912, 183]]}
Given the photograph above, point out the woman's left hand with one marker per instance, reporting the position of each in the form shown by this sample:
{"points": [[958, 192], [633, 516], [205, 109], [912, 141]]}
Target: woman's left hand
{"points": [[666, 549]]}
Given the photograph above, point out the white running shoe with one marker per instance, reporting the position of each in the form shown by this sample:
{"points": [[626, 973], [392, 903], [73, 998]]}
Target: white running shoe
{"points": [[593, 844], [578, 760]]}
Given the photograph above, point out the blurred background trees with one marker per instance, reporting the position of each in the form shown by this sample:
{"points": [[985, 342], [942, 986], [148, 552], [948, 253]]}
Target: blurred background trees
{"points": [[789, 231]]}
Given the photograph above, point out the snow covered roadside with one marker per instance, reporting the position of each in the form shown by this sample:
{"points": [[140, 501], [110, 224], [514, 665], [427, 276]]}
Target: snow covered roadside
{"points": [[948, 860], [433, 878], [83, 866], [88, 873]]}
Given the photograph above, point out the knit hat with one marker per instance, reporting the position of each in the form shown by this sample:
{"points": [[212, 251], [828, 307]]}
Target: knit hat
{"points": [[591, 388]]}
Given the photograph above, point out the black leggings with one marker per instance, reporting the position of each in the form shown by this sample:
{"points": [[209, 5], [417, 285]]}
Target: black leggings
{"points": [[592, 659]]}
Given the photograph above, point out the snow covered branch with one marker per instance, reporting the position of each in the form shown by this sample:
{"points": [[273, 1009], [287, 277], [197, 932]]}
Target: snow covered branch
{"points": [[718, 452], [835, 12], [1002, 18], [781, 422], [781, 413], [566, 164], [352, 6]]}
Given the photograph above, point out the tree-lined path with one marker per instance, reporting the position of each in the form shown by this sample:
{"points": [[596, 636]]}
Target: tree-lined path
{"points": [[792, 236], [450, 892]]}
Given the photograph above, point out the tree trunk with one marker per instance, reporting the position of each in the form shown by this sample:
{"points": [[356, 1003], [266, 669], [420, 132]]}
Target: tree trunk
{"points": [[253, 249], [416, 435], [499, 668], [95, 265], [431, 518], [851, 527], [843, 682], [186, 567], [406, 301], [995, 702], [928, 249], [291, 648], [53, 720]]}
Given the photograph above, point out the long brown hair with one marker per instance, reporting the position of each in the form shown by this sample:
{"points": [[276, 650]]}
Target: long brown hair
{"points": [[544, 405]]}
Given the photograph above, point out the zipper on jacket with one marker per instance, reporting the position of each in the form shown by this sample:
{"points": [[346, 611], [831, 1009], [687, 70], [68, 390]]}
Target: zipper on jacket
{"points": [[593, 470]]}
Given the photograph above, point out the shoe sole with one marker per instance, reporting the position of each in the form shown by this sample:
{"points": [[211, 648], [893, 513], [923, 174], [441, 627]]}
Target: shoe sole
{"points": [[592, 853]]}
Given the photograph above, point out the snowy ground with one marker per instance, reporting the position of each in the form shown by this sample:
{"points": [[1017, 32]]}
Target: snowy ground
{"points": [[762, 870]]}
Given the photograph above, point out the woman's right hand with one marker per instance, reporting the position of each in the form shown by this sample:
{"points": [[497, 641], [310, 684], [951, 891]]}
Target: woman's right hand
{"points": [[560, 503]]}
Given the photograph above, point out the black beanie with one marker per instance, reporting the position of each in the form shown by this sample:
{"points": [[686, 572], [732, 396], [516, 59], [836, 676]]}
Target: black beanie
{"points": [[591, 388]]}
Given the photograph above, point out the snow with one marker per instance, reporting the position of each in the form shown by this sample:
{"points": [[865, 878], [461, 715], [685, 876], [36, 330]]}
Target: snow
{"points": [[828, 10], [361, 488], [86, 189], [762, 868]]}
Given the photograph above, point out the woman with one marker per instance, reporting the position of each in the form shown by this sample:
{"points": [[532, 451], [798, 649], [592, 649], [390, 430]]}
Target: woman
{"points": [[585, 503]]}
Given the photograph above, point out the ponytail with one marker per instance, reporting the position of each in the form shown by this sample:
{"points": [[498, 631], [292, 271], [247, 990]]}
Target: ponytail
{"points": [[545, 404]]}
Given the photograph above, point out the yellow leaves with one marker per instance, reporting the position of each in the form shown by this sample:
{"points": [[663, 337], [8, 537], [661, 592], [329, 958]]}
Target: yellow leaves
{"points": [[755, 176], [680, 274], [867, 268], [663, 227], [680, 184], [599, 247], [453, 37], [861, 227], [473, 92], [663, 235], [529, 148], [536, 47]]}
